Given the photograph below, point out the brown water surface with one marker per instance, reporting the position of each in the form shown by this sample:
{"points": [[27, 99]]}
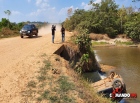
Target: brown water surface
{"points": [[127, 61]]}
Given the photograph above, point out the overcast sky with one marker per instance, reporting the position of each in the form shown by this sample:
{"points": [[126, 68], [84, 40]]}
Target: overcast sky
{"points": [[46, 10]]}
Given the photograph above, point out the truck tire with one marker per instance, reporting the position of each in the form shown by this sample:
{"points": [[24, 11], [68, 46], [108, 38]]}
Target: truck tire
{"points": [[36, 34], [117, 83], [31, 35], [21, 36]]}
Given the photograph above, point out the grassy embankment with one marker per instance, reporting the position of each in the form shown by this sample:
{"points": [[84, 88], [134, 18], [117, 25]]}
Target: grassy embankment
{"points": [[124, 43], [57, 82], [53, 85]]}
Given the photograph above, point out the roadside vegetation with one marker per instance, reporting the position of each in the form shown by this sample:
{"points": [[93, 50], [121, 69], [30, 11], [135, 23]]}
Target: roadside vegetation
{"points": [[87, 60], [11, 29], [8, 29], [106, 18]]}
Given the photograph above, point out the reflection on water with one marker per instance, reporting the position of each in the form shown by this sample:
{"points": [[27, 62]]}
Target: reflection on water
{"points": [[127, 61]]}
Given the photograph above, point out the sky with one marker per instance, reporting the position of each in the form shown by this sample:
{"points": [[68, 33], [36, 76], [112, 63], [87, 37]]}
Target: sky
{"points": [[53, 11]]}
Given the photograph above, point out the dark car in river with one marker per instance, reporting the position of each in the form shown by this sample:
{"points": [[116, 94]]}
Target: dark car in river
{"points": [[29, 30]]}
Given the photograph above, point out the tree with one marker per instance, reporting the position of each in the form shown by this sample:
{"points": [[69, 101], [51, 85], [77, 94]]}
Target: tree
{"points": [[8, 12], [122, 15], [135, 0], [69, 12], [5, 22], [106, 18]]}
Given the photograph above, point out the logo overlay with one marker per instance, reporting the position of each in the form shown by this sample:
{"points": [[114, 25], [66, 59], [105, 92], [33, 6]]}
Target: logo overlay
{"points": [[117, 93], [123, 95]]}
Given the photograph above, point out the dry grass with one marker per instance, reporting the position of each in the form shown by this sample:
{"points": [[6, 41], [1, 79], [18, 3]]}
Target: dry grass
{"points": [[75, 33], [122, 36], [99, 36], [6, 32], [93, 36], [63, 86]]}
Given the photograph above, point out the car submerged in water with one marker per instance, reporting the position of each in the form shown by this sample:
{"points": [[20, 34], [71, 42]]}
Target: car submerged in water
{"points": [[111, 85], [29, 30]]}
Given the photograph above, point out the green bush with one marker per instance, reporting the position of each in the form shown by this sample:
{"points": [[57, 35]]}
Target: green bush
{"points": [[132, 29], [87, 60], [106, 18], [84, 25], [111, 32], [84, 42]]}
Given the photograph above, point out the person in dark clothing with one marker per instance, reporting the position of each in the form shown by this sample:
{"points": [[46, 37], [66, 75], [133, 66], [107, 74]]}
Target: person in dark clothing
{"points": [[63, 33], [53, 33]]}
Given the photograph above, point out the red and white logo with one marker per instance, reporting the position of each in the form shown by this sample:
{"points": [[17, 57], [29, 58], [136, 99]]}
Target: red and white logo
{"points": [[117, 93], [123, 95]]}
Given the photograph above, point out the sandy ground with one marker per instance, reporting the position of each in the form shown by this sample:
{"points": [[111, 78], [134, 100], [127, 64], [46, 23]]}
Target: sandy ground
{"points": [[21, 58]]}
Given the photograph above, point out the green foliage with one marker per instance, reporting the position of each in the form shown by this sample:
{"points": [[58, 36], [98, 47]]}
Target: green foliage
{"points": [[65, 85], [45, 95], [84, 25], [84, 42], [54, 99], [4, 22], [132, 29], [10, 29], [8, 12], [106, 18], [111, 32], [41, 78], [84, 58], [32, 84], [43, 71], [83, 64], [99, 43], [124, 43]]}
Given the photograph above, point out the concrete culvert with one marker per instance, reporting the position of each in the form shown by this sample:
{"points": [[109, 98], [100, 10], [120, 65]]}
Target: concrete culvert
{"points": [[64, 52], [69, 54], [73, 56]]}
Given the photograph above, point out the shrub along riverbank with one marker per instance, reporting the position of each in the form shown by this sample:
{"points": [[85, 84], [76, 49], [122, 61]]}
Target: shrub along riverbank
{"points": [[106, 18]]}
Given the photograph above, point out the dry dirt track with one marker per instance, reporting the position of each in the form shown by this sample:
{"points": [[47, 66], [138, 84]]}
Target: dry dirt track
{"points": [[19, 60]]}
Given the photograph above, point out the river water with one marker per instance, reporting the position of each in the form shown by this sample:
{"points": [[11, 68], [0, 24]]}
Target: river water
{"points": [[127, 63]]}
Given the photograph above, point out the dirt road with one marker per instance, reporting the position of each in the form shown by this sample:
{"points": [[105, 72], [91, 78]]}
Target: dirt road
{"points": [[20, 59]]}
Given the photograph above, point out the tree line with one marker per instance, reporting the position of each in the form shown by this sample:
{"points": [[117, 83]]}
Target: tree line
{"points": [[5, 23], [8, 28], [106, 18]]}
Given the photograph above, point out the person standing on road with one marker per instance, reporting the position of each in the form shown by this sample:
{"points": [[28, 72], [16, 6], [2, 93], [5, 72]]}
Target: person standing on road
{"points": [[63, 33], [53, 33]]}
